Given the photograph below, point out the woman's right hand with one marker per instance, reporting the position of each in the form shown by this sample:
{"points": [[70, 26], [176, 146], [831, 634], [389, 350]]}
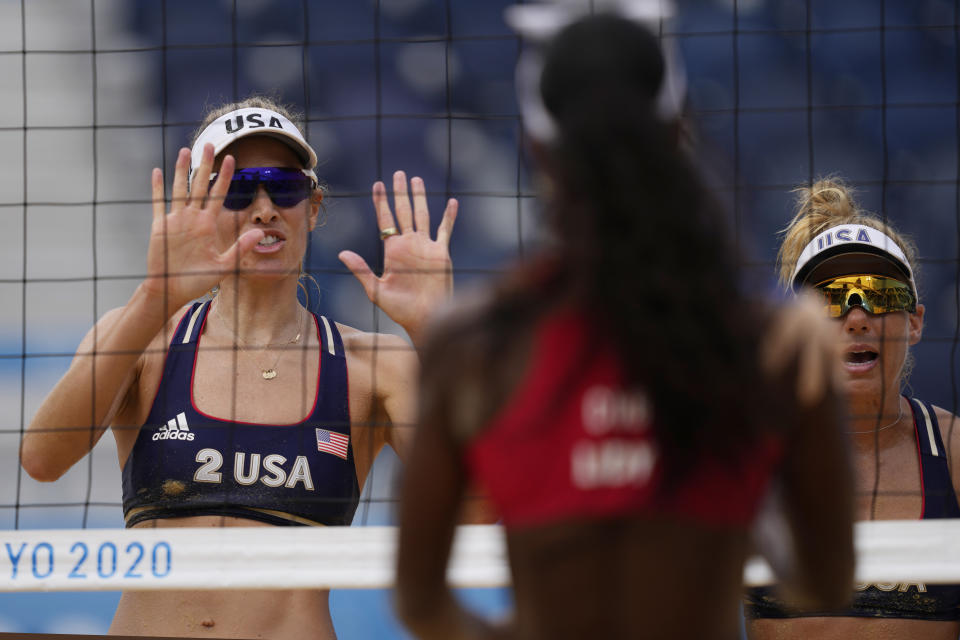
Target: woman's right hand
{"points": [[183, 260]]}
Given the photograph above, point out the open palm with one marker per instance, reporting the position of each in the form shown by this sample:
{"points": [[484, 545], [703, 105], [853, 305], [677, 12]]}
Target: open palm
{"points": [[417, 270], [183, 261]]}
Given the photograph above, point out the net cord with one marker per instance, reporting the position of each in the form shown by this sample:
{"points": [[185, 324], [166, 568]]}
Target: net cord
{"points": [[888, 552]]}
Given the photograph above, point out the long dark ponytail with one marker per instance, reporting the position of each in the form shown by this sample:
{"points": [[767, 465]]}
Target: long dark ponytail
{"points": [[643, 244]]}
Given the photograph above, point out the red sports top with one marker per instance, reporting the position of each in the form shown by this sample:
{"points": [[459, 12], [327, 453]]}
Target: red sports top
{"points": [[573, 444]]}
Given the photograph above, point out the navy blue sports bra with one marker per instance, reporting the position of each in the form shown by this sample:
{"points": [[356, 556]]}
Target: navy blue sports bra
{"points": [[186, 463], [895, 600]]}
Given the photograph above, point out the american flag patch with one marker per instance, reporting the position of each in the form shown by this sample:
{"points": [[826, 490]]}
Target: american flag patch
{"points": [[332, 442]]}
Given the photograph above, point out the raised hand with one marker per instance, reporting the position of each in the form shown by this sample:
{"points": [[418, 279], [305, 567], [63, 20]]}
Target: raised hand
{"points": [[183, 260], [801, 330], [417, 271]]}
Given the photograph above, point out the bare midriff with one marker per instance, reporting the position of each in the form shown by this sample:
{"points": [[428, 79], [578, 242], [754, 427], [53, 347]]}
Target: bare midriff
{"points": [[223, 613]]}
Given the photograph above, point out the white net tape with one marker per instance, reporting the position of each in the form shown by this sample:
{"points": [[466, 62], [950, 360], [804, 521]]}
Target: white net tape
{"points": [[229, 558], [363, 557]]}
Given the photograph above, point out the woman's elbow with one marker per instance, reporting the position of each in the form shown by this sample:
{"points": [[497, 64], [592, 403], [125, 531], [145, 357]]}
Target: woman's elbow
{"points": [[407, 603], [38, 464], [828, 586], [418, 609], [409, 612], [837, 591]]}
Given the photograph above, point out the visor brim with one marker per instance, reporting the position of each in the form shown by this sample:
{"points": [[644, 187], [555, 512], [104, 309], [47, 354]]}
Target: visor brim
{"points": [[843, 262]]}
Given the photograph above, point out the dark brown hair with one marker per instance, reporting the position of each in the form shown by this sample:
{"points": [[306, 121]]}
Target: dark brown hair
{"points": [[642, 245]]}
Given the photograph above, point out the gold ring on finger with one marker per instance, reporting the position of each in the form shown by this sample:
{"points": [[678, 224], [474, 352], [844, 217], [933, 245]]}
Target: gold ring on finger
{"points": [[389, 231]]}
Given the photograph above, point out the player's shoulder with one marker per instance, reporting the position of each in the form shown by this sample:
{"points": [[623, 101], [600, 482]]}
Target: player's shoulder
{"points": [[947, 421], [950, 434], [112, 317], [357, 342], [155, 353], [943, 413], [380, 359]]}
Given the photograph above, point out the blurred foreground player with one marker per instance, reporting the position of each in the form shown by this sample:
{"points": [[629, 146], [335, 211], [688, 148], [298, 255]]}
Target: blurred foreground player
{"points": [[610, 398]]}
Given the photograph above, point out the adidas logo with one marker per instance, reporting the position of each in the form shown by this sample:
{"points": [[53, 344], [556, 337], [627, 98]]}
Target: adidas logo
{"points": [[175, 429]]}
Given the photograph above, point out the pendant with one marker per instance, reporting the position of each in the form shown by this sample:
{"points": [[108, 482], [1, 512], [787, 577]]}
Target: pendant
{"points": [[269, 374]]}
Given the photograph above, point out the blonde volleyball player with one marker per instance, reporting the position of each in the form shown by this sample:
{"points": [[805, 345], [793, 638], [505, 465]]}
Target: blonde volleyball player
{"points": [[865, 272], [609, 396], [238, 411]]}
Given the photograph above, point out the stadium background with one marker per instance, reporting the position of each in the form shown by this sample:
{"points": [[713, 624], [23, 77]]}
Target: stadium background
{"points": [[97, 92]]}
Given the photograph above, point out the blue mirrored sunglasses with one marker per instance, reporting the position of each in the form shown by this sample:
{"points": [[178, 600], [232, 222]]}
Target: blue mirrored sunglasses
{"points": [[285, 186]]}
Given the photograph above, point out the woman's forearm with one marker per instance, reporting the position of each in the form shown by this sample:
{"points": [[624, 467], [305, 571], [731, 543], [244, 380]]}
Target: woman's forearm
{"points": [[75, 413]]}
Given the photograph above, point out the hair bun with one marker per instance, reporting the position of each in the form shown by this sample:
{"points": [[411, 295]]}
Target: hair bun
{"points": [[827, 198]]}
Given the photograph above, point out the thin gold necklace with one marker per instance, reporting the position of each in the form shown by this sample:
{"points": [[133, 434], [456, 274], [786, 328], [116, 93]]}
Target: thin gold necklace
{"points": [[886, 426], [268, 373]]}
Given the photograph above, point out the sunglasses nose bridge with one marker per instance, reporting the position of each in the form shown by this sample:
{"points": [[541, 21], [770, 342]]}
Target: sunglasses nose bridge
{"points": [[856, 298], [262, 205], [283, 188]]}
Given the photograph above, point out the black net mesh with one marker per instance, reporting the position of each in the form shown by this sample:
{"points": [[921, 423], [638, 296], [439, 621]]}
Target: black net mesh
{"points": [[97, 93]]}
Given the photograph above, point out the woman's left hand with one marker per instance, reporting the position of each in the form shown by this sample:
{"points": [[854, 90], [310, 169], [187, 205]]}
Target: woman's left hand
{"points": [[417, 270], [801, 332]]}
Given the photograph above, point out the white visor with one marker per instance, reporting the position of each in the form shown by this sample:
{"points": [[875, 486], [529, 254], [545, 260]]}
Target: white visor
{"points": [[250, 121], [539, 23], [848, 249]]}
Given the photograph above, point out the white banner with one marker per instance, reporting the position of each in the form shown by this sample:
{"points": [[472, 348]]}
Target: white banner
{"points": [[363, 557]]}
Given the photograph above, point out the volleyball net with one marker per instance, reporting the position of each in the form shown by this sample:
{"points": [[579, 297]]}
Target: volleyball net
{"points": [[888, 552], [98, 93]]}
